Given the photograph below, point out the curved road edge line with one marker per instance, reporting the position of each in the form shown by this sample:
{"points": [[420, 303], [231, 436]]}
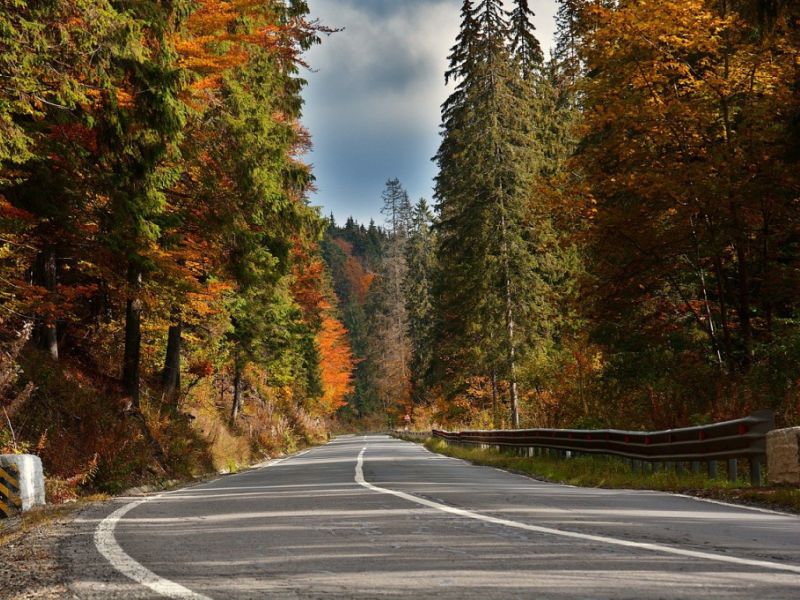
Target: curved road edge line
{"points": [[359, 478], [106, 543]]}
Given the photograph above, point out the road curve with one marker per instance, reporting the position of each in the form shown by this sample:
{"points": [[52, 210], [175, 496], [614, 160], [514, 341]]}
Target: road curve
{"points": [[374, 517]]}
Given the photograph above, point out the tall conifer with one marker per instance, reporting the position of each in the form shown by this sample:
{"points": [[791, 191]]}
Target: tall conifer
{"points": [[486, 161]]}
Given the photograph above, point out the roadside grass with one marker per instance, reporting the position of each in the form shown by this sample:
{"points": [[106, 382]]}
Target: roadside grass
{"points": [[19, 525], [613, 473]]}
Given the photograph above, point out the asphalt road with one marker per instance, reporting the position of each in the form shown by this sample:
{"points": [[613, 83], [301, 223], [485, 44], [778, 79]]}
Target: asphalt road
{"points": [[374, 517]]}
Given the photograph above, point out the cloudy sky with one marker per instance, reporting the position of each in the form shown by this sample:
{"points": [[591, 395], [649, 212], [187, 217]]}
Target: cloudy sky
{"points": [[372, 104]]}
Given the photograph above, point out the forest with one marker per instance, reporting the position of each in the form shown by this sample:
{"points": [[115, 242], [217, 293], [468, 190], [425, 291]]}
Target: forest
{"points": [[613, 238], [615, 234]]}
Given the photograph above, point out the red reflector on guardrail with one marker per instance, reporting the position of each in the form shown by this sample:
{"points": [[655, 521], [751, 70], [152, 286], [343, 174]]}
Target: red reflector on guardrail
{"points": [[743, 429]]}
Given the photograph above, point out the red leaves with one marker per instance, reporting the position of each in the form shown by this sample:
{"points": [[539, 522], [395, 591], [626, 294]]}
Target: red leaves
{"points": [[8, 211]]}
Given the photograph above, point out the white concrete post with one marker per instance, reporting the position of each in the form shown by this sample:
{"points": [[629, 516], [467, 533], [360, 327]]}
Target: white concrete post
{"points": [[31, 478]]}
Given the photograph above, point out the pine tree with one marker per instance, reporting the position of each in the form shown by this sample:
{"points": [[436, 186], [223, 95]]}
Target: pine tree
{"points": [[389, 336], [396, 208], [497, 256], [484, 177], [525, 46], [566, 54], [266, 210], [418, 288]]}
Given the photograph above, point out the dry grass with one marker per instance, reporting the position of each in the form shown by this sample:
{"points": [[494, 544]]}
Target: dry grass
{"points": [[20, 525], [607, 472]]}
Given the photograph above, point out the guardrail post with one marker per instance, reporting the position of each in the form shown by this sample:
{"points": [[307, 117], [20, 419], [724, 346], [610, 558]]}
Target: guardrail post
{"points": [[679, 468], [695, 466], [733, 470], [712, 469], [755, 471]]}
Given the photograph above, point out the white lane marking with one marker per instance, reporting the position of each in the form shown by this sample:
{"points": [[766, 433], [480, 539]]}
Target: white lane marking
{"points": [[756, 509], [568, 534], [106, 543], [531, 477]]}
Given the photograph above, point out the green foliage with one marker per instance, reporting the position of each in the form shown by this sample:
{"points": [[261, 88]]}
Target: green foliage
{"points": [[354, 254], [418, 289], [502, 268], [151, 185]]}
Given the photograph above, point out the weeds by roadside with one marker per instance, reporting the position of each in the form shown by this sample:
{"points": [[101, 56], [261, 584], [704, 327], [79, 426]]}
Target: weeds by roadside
{"points": [[609, 472]]}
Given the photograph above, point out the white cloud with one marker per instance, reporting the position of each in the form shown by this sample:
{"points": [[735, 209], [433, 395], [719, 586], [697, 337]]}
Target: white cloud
{"points": [[385, 72], [373, 101]]}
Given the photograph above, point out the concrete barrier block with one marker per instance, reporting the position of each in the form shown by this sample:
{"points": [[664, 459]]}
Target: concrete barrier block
{"points": [[783, 456], [31, 478]]}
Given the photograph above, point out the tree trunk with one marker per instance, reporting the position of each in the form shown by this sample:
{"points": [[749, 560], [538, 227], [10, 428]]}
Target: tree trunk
{"points": [[51, 329], [171, 378], [723, 313], [512, 372], [495, 411], [133, 337], [237, 393], [744, 305], [46, 275], [512, 348], [711, 328]]}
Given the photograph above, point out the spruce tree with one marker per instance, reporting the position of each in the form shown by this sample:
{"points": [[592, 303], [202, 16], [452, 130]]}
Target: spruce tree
{"points": [[524, 45], [491, 285], [396, 208], [568, 41], [418, 287], [390, 339], [140, 161]]}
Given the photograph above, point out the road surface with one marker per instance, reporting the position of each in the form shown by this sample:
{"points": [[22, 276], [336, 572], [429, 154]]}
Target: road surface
{"points": [[374, 517]]}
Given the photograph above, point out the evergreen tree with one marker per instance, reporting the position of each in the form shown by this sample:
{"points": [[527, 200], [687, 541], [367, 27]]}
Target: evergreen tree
{"points": [[266, 208], [390, 323], [524, 45], [566, 54], [140, 161], [493, 283], [420, 256], [396, 208]]}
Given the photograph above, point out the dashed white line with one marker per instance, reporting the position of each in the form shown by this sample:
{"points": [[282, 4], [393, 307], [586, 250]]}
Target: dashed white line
{"points": [[359, 478]]}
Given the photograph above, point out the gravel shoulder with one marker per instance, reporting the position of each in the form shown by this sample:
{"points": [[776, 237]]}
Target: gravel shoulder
{"points": [[30, 557]]}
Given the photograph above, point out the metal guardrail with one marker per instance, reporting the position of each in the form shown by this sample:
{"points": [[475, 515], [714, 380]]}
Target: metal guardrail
{"points": [[732, 440], [9, 491], [411, 435]]}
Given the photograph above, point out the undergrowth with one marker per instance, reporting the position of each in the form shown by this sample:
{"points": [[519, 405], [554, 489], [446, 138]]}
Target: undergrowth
{"points": [[609, 472], [91, 441]]}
